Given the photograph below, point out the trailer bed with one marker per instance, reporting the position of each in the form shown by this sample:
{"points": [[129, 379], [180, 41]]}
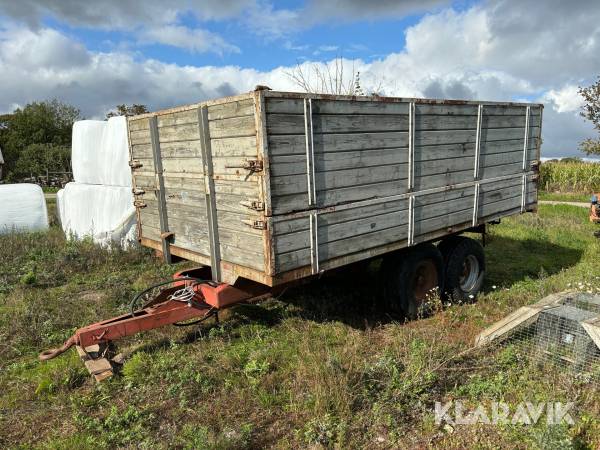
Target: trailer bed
{"points": [[275, 186]]}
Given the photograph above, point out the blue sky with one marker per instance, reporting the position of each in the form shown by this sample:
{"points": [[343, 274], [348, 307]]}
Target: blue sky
{"points": [[367, 40], [98, 54]]}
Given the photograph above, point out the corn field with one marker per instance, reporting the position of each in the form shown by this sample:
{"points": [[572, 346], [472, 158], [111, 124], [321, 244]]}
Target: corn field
{"points": [[570, 176]]}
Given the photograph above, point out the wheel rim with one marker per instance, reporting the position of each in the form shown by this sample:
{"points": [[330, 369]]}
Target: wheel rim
{"points": [[470, 273], [425, 279]]}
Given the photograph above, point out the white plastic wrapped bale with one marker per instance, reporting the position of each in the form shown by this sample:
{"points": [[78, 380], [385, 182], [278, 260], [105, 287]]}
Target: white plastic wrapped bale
{"points": [[104, 213], [100, 153], [22, 208]]}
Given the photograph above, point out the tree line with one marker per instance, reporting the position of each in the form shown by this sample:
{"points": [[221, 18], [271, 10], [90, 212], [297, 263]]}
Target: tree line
{"points": [[36, 139]]}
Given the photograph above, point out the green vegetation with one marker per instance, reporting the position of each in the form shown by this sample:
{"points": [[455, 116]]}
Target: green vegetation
{"points": [[320, 366], [564, 196], [37, 138], [591, 112], [576, 176]]}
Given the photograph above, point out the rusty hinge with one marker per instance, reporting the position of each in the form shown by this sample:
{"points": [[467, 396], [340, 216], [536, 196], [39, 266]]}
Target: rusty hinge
{"points": [[535, 177], [535, 166], [139, 204], [256, 224], [253, 204], [137, 191], [135, 164], [253, 165]]}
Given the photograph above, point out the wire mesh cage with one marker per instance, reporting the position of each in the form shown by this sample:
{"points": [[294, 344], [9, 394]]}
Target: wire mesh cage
{"points": [[562, 329]]}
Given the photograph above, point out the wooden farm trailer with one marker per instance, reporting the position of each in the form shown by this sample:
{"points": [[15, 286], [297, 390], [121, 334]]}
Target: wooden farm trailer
{"points": [[270, 187], [275, 186]]}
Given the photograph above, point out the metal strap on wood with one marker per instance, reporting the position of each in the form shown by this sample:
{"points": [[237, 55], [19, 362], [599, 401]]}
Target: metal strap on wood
{"points": [[310, 153], [525, 148], [411, 146], [314, 242], [524, 193], [160, 190], [476, 205], [411, 221], [211, 208], [478, 141], [476, 165]]}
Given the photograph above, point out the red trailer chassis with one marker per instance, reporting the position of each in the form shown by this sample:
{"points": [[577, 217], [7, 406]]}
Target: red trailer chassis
{"points": [[205, 299]]}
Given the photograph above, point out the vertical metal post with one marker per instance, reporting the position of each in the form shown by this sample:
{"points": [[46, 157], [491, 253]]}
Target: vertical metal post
{"points": [[314, 242], [209, 186], [525, 151], [476, 205], [411, 146], [411, 220], [310, 153], [478, 142], [526, 138], [411, 174], [476, 165], [160, 189]]}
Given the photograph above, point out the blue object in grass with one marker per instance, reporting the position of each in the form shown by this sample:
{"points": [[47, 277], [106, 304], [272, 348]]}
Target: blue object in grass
{"points": [[594, 199]]}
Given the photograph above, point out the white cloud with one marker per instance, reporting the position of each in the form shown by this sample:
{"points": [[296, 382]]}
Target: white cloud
{"points": [[120, 14], [194, 40], [154, 21], [566, 99], [496, 51]]}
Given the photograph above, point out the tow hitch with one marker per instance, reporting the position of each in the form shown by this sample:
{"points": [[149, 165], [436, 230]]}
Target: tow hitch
{"points": [[174, 302]]}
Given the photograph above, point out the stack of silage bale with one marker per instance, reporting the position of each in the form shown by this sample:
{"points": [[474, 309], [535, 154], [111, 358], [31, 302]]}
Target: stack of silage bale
{"points": [[99, 203]]}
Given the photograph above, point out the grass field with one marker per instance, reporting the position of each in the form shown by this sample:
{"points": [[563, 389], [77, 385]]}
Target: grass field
{"points": [[565, 196], [319, 366]]}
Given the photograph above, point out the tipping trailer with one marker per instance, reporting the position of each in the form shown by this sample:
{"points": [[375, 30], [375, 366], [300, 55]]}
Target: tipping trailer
{"points": [[265, 188]]}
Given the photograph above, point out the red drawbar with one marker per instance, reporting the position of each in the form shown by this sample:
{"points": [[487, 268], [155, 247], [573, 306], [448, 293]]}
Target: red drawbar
{"points": [[210, 298]]}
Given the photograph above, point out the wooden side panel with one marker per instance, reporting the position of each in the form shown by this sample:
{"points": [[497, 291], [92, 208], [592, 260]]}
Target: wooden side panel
{"points": [[361, 148], [361, 171], [350, 231], [183, 177], [232, 130], [233, 143], [361, 155]]}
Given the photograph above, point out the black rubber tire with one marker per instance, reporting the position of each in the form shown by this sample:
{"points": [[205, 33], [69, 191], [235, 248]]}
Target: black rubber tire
{"points": [[446, 245], [400, 273], [456, 253]]}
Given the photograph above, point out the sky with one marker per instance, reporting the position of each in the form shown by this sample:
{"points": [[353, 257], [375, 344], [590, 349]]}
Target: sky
{"points": [[97, 54]]}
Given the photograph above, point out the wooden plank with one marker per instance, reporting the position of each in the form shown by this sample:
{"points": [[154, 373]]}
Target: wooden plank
{"points": [[183, 149], [187, 235], [434, 156], [292, 234], [521, 317], [294, 124], [194, 212], [232, 127], [234, 146], [136, 124], [297, 202], [177, 118], [364, 242], [233, 187], [295, 106], [231, 109], [295, 144], [178, 133]]}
